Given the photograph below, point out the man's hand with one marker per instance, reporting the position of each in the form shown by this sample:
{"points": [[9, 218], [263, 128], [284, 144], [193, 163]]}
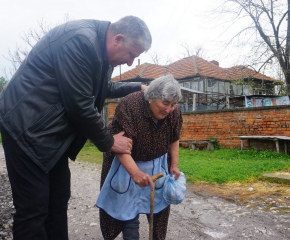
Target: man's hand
{"points": [[143, 87], [121, 144]]}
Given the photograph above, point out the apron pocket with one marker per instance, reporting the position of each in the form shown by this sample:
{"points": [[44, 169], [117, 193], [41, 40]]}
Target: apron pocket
{"points": [[120, 181], [159, 183]]}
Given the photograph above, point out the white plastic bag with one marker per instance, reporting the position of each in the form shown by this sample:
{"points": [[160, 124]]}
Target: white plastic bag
{"points": [[174, 190]]}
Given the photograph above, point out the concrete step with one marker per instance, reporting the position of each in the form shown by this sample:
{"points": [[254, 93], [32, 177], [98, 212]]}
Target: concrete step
{"points": [[279, 177]]}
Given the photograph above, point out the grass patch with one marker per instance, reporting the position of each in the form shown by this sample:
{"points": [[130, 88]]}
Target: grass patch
{"points": [[230, 165], [228, 173], [219, 166], [90, 153]]}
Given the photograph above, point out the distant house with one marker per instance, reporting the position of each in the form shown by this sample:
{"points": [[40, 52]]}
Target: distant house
{"points": [[205, 85]]}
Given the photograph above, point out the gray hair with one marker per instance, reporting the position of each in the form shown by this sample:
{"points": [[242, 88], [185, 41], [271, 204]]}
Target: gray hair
{"points": [[165, 88], [134, 30]]}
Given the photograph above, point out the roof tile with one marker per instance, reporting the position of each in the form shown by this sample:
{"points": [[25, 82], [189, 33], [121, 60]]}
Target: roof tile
{"points": [[192, 66]]}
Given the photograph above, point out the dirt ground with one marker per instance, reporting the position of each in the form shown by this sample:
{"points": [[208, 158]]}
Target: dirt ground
{"points": [[234, 211], [261, 195]]}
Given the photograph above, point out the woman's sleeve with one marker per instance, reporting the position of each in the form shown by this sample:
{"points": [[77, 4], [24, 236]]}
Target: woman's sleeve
{"points": [[177, 124], [125, 119]]}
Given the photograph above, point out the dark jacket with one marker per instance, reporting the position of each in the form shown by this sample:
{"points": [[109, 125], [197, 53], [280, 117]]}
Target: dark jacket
{"points": [[49, 105]]}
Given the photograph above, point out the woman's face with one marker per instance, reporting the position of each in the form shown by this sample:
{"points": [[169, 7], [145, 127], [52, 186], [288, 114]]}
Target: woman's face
{"points": [[161, 108]]}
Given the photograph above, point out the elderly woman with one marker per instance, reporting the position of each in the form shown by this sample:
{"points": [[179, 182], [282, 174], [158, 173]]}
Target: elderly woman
{"points": [[153, 121]]}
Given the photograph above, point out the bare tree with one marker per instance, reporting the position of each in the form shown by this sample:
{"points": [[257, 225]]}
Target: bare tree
{"points": [[188, 51], [168, 60], [267, 30], [28, 40], [197, 50], [156, 57]]}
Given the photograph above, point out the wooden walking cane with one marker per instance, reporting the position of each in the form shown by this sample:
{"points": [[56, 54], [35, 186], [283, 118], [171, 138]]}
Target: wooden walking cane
{"points": [[154, 178]]}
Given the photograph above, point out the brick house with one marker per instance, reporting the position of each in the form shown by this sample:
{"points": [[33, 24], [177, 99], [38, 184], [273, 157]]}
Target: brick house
{"points": [[213, 100], [205, 85]]}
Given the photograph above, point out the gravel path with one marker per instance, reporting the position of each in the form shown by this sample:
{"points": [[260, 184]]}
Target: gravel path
{"points": [[6, 205], [198, 217]]}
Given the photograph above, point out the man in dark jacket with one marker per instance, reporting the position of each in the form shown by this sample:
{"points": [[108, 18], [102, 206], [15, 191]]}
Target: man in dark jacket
{"points": [[52, 105]]}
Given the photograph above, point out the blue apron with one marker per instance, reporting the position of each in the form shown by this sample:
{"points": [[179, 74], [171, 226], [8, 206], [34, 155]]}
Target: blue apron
{"points": [[123, 199]]}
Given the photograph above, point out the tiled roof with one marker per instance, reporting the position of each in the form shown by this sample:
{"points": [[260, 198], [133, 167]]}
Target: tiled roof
{"points": [[191, 66], [145, 70]]}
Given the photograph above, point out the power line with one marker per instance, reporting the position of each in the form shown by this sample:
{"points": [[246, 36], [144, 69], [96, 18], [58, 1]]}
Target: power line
{"points": [[165, 46], [167, 22]]}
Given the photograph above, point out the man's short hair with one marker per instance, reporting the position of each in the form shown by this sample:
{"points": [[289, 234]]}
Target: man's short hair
{"points": [[134, 30]]}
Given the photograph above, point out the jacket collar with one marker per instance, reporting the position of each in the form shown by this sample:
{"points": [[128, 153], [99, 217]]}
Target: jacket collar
{"points": [[102, 31]]}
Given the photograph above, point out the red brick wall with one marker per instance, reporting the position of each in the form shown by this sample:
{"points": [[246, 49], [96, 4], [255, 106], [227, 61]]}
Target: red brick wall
{"points": [[111, 110], [226, 124]]}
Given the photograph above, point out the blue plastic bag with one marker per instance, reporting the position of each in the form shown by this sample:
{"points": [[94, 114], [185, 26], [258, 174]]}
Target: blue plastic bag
{"points": [[174, 190]]}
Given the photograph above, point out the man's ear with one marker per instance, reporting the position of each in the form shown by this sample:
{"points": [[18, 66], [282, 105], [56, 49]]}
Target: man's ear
{"points": [[119, 38]]}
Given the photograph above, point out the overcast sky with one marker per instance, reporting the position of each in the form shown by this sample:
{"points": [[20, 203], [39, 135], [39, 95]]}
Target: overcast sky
{"points": [[170, 22]]}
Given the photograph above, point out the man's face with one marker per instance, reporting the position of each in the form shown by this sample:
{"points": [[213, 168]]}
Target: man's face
{"points": [[122, 53]]}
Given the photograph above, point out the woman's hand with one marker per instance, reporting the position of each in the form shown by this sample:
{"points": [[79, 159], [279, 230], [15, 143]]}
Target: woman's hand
{"points": [[174, 149], [175, 171], [142, 179]]}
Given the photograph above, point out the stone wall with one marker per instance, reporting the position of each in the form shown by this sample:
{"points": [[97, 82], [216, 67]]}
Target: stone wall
{"points": [[111, 109]]}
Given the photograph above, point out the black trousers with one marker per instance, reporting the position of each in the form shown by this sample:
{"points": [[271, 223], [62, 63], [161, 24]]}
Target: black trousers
{"points": [[40, 198]]}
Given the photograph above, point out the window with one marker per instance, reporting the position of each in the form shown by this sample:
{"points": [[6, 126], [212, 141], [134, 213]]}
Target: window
{"points": [[227, 87], [212, 85], [258, 92], [246, 90], [186, 84], [222, 88], [200, 85], [237, 89], [194, 85]]}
